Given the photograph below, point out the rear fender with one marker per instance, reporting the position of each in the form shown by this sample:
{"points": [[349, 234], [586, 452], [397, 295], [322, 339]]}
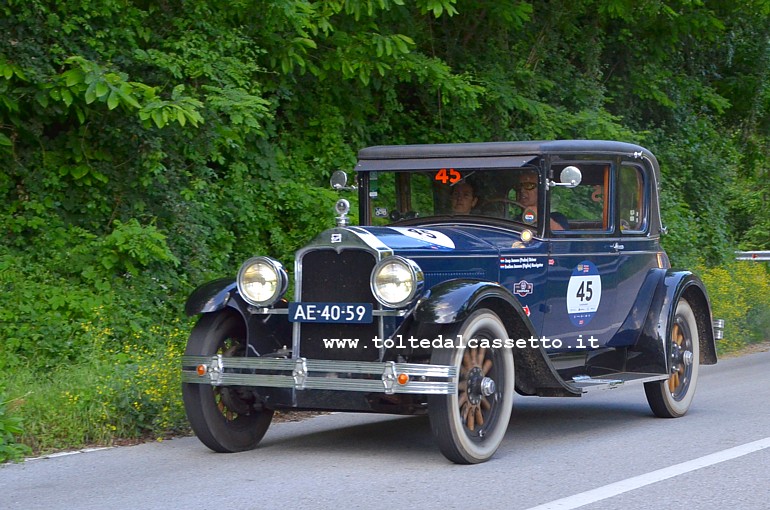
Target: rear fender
{"points": [[650, 353], [454, 300]]}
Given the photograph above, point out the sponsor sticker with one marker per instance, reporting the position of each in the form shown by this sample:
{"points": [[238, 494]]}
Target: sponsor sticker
{"points": [[529, 216], [521, 263], [523, 288]]}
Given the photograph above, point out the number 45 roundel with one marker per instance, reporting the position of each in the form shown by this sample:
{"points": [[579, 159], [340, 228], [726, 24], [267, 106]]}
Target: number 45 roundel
{"points": [[584, 293]]}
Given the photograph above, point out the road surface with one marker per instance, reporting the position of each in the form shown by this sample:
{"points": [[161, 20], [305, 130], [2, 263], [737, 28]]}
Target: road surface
{"points": [[600, 452]]}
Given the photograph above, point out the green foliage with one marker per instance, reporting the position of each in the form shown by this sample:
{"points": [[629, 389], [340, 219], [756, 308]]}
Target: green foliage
{"points": [[133, 247], [148, 147], [740, 294], [10, 429], [112, 393]]}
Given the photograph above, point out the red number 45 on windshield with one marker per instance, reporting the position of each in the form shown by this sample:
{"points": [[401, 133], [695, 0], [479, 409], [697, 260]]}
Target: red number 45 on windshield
{"points": [[451, 176]]}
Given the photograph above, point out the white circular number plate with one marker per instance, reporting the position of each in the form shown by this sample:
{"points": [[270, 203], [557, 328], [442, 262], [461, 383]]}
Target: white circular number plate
{"points": [[584, 293]]}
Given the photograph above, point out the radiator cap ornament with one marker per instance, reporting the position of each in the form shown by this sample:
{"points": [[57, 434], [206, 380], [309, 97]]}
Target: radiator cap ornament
{"points": [[342, 207]]}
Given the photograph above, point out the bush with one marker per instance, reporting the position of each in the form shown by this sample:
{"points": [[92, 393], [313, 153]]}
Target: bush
{"points": [[10, 428], [740, 294], [118, 391]]}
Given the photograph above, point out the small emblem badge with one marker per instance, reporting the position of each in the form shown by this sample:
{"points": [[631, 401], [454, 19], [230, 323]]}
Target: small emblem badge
{"points": [[336, 238], [523, 288], [529, 216]]}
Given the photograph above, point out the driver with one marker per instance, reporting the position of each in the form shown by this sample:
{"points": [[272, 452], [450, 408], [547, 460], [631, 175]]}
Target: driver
{"points": [[527, 196]]}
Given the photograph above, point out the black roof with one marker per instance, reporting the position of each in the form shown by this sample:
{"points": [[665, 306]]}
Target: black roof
{"points": [[487, 154]]}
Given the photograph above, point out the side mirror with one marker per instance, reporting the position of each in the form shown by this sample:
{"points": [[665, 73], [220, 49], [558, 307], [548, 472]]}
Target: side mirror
{"points": [[339, 181], [570, 177]]}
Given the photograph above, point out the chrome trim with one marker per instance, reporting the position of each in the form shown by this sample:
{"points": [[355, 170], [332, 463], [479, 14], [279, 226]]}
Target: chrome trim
{"points": [[719, 328], [299, 374], [285, 311], [350, 238], [305, 374], [415, 272], [281, 275], [586, 383]]}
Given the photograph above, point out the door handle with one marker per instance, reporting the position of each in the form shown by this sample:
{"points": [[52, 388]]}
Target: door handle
{"points": [[617, 246]]}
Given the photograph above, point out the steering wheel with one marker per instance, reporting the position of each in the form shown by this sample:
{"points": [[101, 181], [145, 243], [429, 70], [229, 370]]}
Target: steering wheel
{"points": [[506, 201]]}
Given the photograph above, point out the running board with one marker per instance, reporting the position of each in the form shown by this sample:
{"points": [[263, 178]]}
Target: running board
{"points": [[586, 383]]}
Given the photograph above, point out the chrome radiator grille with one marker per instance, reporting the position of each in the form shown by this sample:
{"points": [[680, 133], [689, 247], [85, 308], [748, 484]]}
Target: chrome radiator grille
{"points": [[331, 277]]}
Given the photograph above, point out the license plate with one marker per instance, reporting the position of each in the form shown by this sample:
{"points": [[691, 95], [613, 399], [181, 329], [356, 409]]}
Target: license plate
{"points": [[356, 313]]}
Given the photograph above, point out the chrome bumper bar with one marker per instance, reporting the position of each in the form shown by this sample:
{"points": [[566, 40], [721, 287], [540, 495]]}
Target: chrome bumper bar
{"points": [[310, 374]]}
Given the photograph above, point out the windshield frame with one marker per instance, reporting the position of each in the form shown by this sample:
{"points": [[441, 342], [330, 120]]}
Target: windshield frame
{"points": [[492, 188]]}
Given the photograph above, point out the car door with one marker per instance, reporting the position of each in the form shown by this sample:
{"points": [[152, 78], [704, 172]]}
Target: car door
{"points": [[638, 250], [582, 309]]}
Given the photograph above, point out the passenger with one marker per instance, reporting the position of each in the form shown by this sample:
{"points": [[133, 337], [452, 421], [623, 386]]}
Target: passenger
{"points": [[463, 198]]}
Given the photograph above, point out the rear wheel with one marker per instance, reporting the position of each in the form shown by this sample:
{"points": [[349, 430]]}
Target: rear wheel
{"points": [[672, 398], [470, 424], [225, 418]]}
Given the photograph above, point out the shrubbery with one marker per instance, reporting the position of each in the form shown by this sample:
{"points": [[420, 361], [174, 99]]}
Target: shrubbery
{"points": [[740, 294], [148, 147]]}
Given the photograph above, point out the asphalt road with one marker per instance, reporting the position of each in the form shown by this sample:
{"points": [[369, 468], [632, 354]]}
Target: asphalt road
{"points": [[603, 451]]}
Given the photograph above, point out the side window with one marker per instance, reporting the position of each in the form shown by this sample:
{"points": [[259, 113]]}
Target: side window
{"points": [[382, 196], [395, 196], [585, 207], [633, 214]]}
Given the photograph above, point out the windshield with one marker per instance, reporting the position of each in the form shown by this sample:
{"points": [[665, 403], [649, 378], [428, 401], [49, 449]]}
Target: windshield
{"points": [[510, 194]]}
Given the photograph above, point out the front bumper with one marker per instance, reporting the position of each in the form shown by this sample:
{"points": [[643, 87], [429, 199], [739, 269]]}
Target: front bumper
{"points": [[311, 374]]}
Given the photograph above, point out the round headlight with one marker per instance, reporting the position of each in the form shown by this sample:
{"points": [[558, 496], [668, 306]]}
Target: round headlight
{"points": [[262, 281], [396, 281]]}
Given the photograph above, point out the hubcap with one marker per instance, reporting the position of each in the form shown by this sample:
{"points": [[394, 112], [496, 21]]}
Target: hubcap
{"points": [[681, 360], [476, 390]]}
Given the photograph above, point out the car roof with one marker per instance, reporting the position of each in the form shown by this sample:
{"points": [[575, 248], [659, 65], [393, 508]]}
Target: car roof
{"points": [[487, 154]]}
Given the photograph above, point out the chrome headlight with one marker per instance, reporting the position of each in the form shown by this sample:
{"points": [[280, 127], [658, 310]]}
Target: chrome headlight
{"points": [[395, 281], [262, 281]]}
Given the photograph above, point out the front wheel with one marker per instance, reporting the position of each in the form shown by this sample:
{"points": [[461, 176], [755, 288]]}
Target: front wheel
{"points": [[672, 398], [225, 418], [469, 425]]}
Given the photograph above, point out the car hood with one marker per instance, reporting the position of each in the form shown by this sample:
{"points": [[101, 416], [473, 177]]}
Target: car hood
{"points": [[441, 240]]}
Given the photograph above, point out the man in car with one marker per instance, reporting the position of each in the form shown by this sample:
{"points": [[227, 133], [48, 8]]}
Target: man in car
{"points": [[527, 197]]}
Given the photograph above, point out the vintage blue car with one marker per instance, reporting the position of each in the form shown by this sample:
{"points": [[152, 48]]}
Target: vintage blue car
{"points": [[475, 271]]}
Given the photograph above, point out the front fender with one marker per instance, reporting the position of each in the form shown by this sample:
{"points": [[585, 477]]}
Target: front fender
{"points": [[453, 300], [266, 333], [210, 297], [650, 353]]}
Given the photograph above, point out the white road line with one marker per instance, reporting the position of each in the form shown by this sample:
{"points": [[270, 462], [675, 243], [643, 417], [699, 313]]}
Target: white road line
{"points": [[68, 453], [629, 484]]}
